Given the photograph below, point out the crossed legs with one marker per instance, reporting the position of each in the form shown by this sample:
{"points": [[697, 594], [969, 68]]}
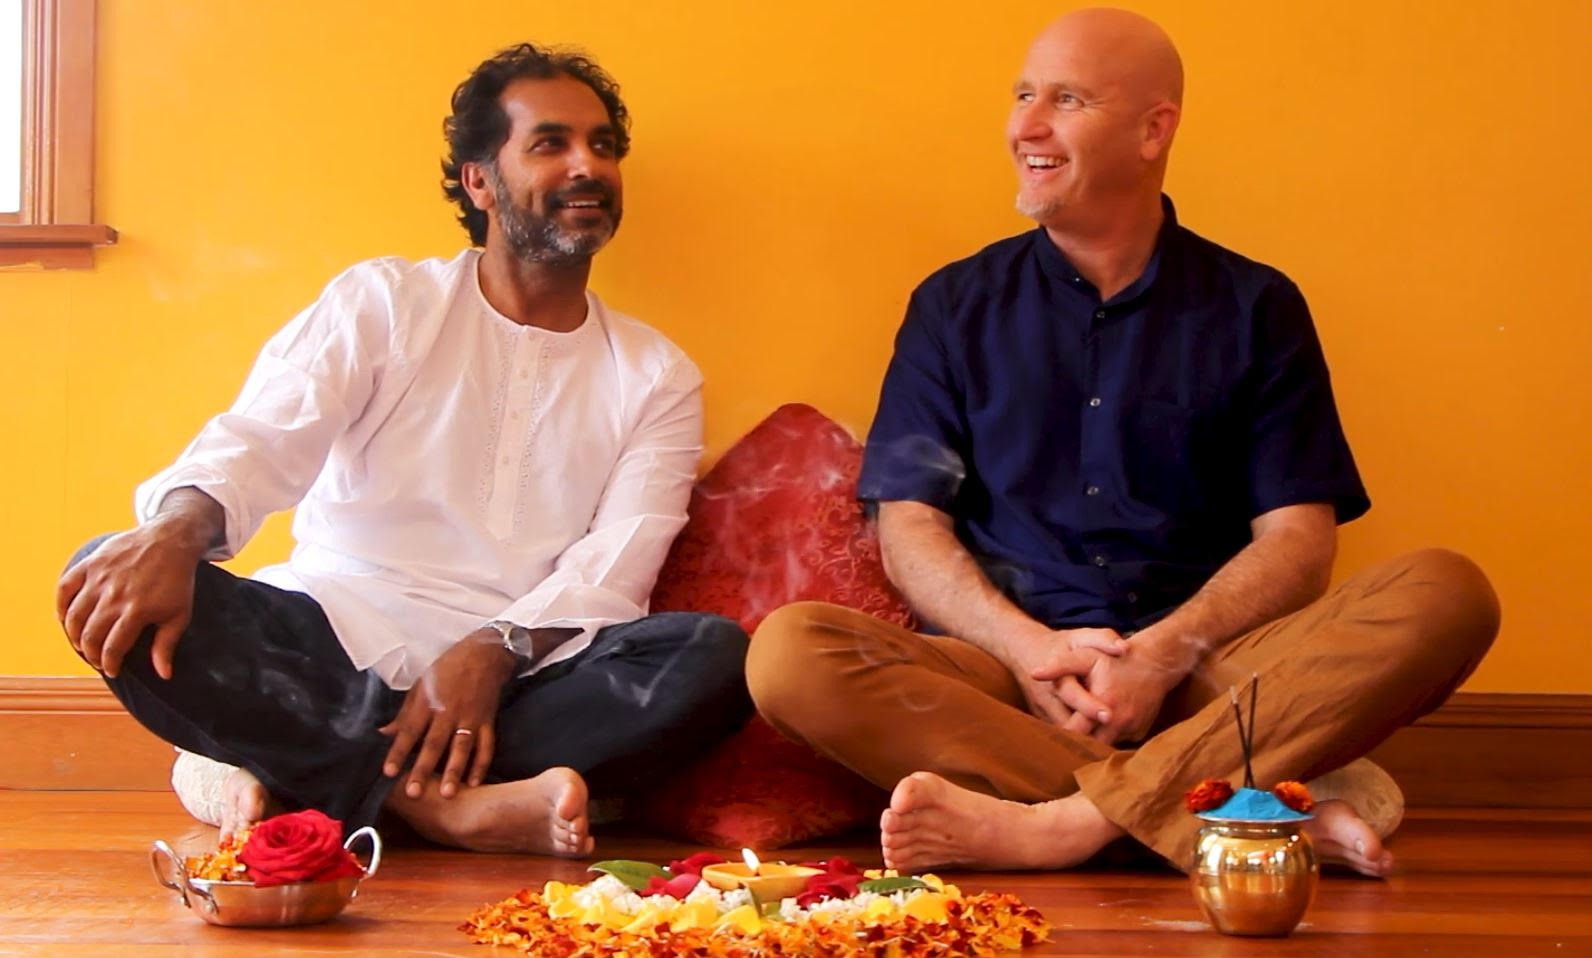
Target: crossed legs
{"points": [[1009, 790], [261, 683]]}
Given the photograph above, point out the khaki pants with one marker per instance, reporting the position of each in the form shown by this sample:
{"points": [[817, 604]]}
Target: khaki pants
{"points": [[1336, 679]]}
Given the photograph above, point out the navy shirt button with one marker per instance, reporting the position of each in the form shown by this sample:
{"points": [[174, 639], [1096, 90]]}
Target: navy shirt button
{"points": [[1133, 597], [1092, 491], [1100, 314], [1095, 401], [1100, 561]]}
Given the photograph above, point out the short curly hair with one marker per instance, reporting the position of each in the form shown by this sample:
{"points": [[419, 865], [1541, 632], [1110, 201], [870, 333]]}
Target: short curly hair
{"points": [[477, 128]]}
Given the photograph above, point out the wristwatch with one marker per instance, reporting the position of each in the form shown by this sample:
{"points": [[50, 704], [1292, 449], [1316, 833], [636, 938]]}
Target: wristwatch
{"points": [[516, 638]]}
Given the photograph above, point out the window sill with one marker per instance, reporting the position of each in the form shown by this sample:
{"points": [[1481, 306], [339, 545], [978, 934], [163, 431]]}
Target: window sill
{"points": [[53, 246]]}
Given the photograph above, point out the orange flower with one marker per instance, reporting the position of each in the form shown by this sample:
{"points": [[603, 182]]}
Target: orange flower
{"points": [[1295, 796], [978, 925], [1207, 795]]}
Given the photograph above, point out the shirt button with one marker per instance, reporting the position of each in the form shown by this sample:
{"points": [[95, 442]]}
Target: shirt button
{"points": [[1100, 561], [1133, 597], [1095, 401], [504, 460], [1100, 314], [1092, 491], [1077, 279]]}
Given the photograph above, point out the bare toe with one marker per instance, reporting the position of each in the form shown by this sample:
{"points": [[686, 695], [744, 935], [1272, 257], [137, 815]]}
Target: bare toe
{"points": [[1342, 837]]}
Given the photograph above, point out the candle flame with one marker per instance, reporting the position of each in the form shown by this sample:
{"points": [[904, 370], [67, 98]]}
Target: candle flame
{"points": [[751, 860]]}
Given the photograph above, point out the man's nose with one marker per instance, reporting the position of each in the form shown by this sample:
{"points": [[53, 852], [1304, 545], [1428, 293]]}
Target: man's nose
{"points": [[1029, 122], [584, 162]]}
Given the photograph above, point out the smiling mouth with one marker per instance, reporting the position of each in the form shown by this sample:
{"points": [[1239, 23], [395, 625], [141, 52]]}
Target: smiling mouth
{"points": [[1040, 164]]}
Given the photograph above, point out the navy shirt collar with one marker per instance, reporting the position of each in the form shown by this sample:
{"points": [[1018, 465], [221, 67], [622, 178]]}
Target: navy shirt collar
{"points": [[1055, 263]]}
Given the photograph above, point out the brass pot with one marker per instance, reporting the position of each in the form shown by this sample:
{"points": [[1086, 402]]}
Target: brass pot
{"points": [[1254, 878]]}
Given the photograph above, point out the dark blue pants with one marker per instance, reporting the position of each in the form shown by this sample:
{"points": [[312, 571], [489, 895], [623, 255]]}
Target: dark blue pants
{"points": [[261, 681]]}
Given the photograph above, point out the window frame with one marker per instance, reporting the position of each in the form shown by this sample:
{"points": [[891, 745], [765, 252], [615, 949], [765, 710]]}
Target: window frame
{"points": [[55, 227]]}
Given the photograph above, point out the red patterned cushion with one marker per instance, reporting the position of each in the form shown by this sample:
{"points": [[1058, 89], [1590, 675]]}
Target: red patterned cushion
{"points": [[775, 521]]}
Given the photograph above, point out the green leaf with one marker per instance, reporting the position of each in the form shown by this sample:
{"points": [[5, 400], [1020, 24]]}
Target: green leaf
{"points": [[884, 886], [634, 874]]}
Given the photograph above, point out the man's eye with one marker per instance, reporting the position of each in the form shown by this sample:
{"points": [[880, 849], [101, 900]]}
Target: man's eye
{"points": [[605, 147], [1025, 96], [548, 144]]}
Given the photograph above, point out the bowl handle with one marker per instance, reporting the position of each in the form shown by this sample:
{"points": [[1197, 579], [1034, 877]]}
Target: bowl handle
{"points": [[169, 869], [172, 873], [375, 848]]}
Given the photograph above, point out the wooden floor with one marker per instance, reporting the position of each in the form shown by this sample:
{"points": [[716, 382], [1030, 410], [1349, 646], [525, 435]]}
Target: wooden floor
{"points": [[75, 881]]}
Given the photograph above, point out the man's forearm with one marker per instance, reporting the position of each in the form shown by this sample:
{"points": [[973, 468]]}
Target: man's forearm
{"points": [[943, 583], [191, 518], [1284, 568]]}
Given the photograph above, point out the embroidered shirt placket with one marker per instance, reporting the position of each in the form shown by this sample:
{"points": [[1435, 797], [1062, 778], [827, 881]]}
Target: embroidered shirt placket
{"points": [[514, 431]]}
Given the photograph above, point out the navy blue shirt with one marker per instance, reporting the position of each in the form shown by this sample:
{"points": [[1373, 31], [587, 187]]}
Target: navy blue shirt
{"points": [[1103, 459]]}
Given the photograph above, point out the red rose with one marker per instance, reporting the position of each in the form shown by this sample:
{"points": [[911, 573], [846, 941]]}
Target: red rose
{"points": [[1207, 795], [303, 846]]}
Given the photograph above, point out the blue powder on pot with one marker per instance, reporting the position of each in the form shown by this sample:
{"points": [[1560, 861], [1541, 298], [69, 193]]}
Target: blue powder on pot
{"points": [[1254, 805]]}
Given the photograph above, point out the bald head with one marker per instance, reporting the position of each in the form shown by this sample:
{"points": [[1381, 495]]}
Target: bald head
{"points": [[1117, 47], [1093, 115]]}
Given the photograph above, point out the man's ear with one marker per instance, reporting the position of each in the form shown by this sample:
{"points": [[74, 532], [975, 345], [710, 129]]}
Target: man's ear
{"points": [[1160, 124], [477, 181]]}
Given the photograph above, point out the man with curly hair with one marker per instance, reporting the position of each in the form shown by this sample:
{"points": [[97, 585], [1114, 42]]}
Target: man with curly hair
{"points": [[489, 466]]}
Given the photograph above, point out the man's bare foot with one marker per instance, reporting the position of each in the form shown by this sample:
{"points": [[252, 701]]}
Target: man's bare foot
{"points": [[1342, 837], [932, 823], [244, 801], [545, 815]]}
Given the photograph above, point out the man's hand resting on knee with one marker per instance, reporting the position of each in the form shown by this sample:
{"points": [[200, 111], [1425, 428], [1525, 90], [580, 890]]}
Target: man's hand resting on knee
{"points": [[139, 580], [451, 714]]}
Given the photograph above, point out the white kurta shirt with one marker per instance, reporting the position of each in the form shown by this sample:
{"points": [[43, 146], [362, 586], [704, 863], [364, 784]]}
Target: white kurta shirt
{"points": [[451, 466]]}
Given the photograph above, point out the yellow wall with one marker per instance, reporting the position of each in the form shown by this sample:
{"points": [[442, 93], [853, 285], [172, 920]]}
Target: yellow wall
{"points": [[1419, 168]]}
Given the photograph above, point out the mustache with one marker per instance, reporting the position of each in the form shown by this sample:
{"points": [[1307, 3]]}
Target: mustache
{"points": [[589, 190]]}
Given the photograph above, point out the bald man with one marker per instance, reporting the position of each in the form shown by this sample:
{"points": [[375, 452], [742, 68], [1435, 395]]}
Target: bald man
{"points": [[1109, 472]]}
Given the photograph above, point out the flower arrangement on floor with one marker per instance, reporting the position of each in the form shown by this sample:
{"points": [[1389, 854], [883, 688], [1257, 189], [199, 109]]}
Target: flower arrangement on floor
{"points": [[637, 908], [302, 846]]}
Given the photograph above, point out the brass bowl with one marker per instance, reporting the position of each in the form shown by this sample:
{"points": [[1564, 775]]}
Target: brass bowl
{"points": [[247, 905], [1254, 878]]}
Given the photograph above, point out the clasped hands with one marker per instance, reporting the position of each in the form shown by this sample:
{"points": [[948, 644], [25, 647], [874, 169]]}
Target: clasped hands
{"points": [[1095, 682]]}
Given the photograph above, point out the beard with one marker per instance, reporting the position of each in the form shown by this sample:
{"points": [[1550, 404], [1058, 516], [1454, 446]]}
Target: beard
{"points": [[536, 238], [1037, 208]]}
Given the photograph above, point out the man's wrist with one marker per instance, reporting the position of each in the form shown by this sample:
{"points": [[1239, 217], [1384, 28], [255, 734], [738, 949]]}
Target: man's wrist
{"points": [[1170, 650], [515, 640]]}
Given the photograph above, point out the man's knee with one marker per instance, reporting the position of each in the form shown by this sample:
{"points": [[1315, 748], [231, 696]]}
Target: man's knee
{"points": [[1461, 595], [88, 549], [790, 658], [719, 643], [1452, 607]]}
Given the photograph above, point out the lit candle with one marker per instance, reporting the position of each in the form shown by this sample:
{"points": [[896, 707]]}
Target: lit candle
{"points": [[767, 881]]}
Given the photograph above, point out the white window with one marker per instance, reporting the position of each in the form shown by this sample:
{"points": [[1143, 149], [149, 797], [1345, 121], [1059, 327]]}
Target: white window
{"points": [[47, 134], [10, 106]]}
